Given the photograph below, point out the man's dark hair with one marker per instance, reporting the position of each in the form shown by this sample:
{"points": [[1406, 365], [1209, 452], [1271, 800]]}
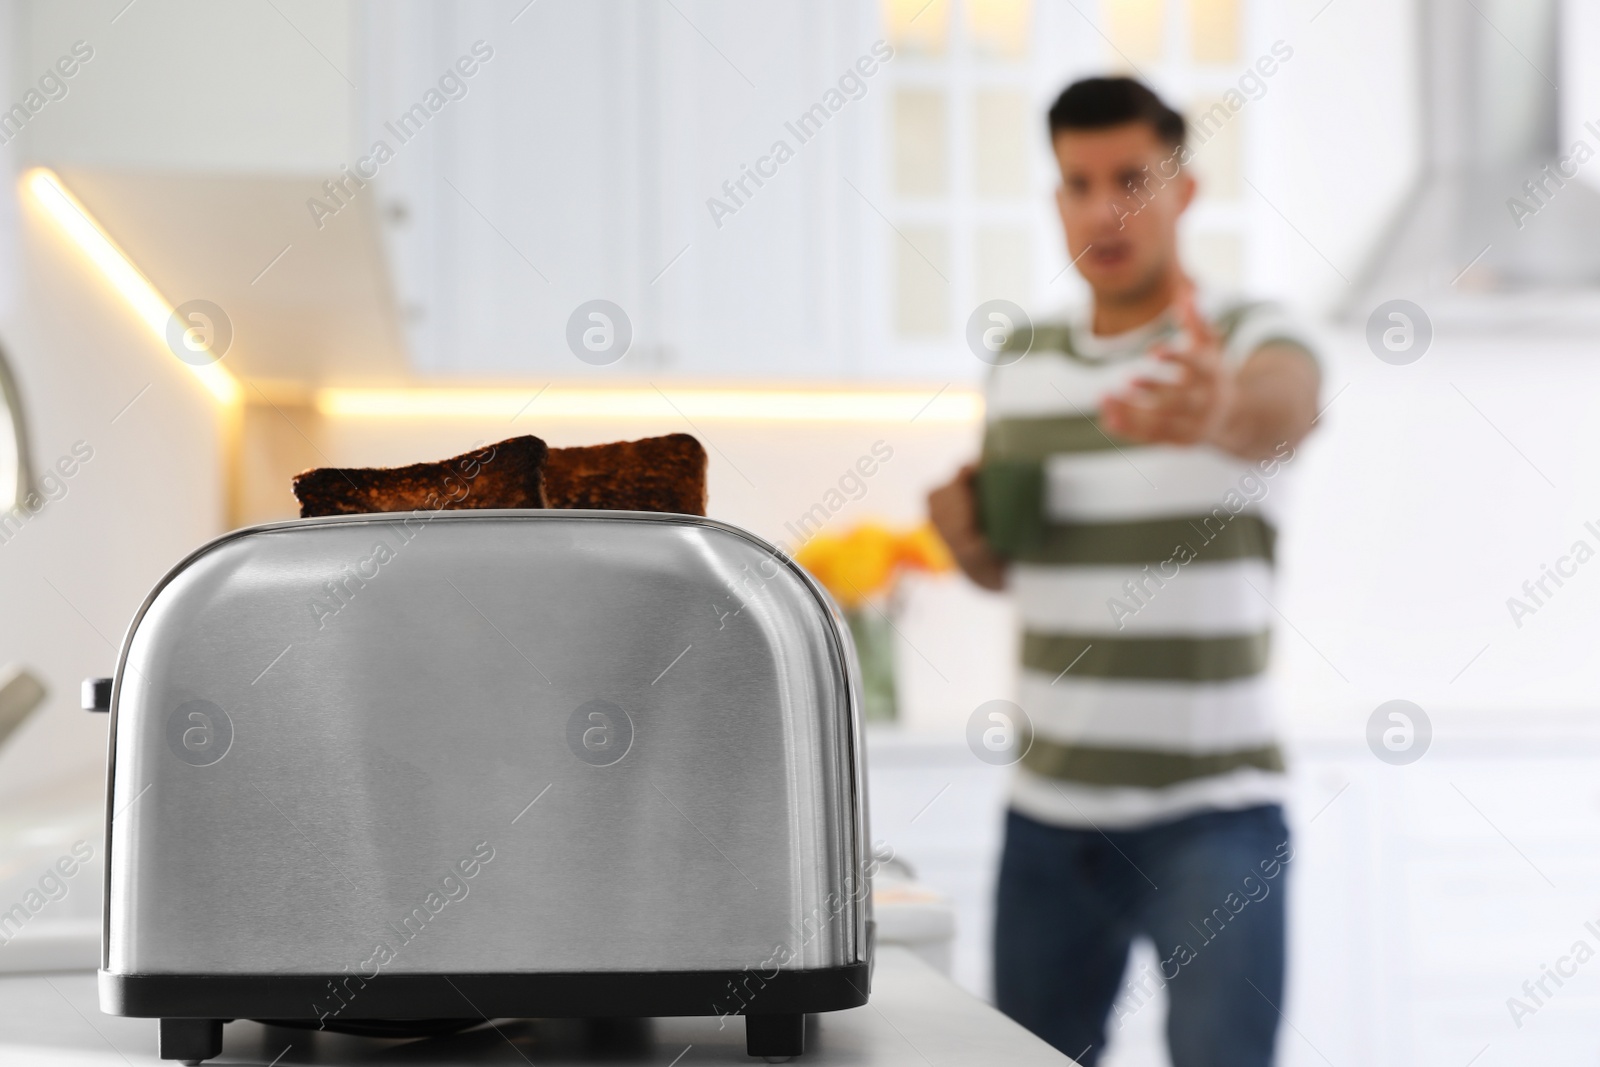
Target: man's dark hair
{"points": [[1100, 103]]}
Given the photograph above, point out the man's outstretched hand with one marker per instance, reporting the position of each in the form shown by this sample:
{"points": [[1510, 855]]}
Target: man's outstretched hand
{"points": [[1249, 412], [953, 510], [1187, 409]]}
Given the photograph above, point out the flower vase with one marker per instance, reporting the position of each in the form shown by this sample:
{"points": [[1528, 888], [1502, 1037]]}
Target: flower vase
{"points": [[874, 638]]}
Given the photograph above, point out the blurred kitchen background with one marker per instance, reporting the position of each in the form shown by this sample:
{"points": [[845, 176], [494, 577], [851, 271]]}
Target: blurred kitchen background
{"points": [[204, 151]]}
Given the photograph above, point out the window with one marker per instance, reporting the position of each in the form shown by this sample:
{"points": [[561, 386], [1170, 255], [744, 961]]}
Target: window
{"points": [[1191, 52], [964, 134], [920, 153]]}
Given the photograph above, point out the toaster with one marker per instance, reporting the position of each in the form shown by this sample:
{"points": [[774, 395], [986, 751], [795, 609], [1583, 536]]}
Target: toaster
{"points": [[400, 773]]}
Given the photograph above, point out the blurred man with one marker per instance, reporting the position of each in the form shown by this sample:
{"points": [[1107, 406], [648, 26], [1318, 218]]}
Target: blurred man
{"points": [[1123, 498]]}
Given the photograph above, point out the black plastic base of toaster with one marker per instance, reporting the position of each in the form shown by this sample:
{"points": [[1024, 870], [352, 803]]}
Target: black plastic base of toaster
{"points": [[587, 994], [193, 1041]]}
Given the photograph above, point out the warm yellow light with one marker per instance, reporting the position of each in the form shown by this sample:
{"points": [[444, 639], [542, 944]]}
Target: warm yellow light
{"points": [[932, 405], [1214, 31], [1000, 27], [918, 25], [146, 302], [1137, 30]]}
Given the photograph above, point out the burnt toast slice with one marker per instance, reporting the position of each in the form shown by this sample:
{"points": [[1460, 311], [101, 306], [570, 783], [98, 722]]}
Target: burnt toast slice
{"points": [[506, 474], [652, 474]]}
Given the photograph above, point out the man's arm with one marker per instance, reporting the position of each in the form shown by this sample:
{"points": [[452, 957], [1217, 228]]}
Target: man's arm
{"points": [[1274, 401], [1249, 412], [953, 509]]}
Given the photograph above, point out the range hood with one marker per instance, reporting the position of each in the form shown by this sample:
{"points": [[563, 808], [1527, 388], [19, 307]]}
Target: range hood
{"points": [[1503, 225]]}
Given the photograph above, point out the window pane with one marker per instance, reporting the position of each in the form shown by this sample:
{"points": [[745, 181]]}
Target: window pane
{"points": [[920, 27], [1214, 31], [1000, 142], [922, 294], [1215, 135], [920, 135], [999, 27], [1136, 29]]}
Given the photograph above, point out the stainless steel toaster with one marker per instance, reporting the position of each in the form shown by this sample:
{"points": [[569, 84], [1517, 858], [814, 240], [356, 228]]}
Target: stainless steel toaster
{"points": [[387, 773]]}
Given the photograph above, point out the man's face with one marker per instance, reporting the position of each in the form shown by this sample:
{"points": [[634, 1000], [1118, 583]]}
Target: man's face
{"points": [[1120, 197]]}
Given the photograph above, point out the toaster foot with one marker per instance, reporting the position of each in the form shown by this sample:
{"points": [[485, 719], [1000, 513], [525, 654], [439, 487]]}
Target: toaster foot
{"points": [[190, 1040], [775, 1036]]}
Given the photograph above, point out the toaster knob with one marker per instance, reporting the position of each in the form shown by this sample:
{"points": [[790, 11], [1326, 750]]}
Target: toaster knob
{"points": [[97, 694]]}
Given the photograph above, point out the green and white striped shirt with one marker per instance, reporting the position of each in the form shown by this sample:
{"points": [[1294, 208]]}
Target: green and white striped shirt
{"points": [[1141, 575]]}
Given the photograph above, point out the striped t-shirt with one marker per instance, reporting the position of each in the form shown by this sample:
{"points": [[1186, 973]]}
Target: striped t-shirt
{"points": [[1143, 576]]}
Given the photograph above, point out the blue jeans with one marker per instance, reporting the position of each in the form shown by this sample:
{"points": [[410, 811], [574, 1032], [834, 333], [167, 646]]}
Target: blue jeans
{"points": [[1208, 890]]}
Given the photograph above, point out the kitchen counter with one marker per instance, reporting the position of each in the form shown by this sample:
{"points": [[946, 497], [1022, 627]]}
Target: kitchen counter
{"points": [[916, 1018]]}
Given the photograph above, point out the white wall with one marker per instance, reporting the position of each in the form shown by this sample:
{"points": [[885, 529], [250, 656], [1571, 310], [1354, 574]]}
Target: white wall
{"points": [[1418, 517], [73, 576], [177, 85]]}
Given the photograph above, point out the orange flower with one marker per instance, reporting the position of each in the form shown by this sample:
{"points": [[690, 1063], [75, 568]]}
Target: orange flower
{"points": [[868, 559], [818, 556], [924, 550]]}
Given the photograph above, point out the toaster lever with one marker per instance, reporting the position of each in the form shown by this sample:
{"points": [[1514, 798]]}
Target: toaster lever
{"points": [[97, 694]]}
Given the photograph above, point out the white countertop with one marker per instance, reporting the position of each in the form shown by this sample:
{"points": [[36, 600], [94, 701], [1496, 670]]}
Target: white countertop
{"points": [[916, 1018]]}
